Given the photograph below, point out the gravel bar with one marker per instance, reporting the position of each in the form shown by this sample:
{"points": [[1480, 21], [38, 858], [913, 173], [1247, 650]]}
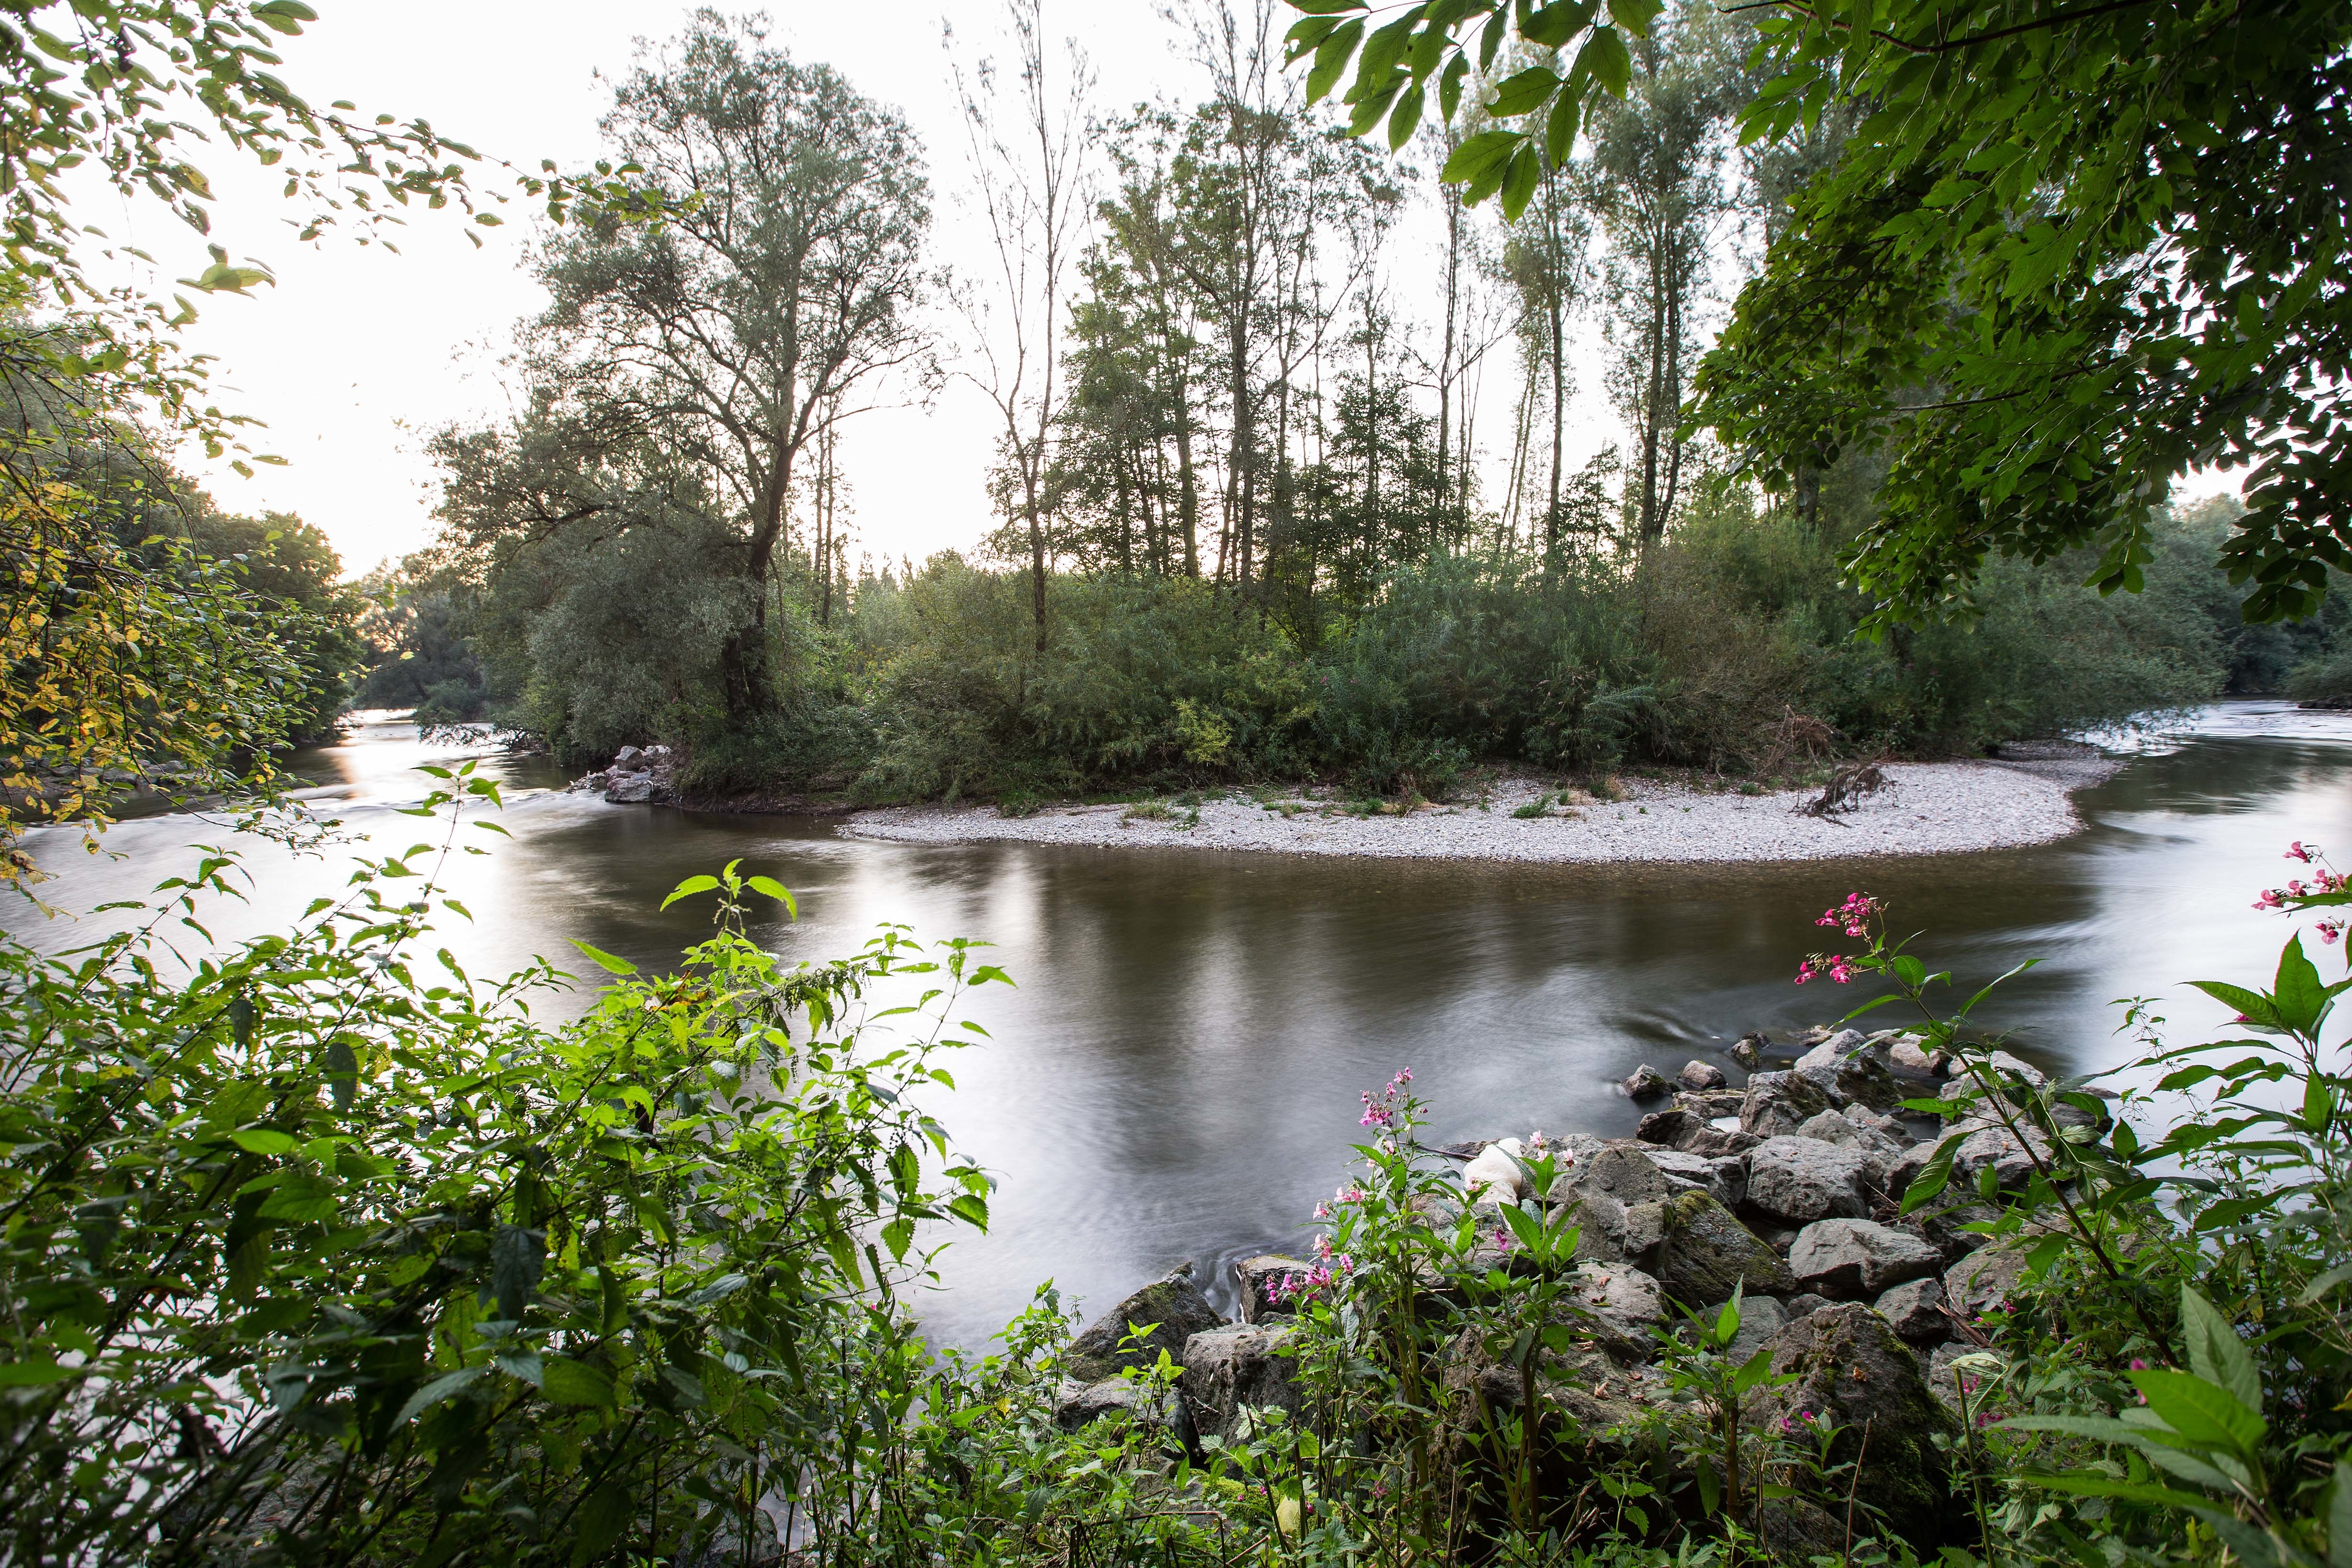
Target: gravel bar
{"points": [[1930, 808]]}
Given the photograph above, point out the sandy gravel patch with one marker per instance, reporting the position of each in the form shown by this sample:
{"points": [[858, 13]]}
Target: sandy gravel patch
{"points": [[1933, 809]]}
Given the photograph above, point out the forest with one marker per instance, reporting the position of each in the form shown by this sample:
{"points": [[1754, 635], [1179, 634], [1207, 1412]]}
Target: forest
{"points": [[1930, 329], [1243, 524]]}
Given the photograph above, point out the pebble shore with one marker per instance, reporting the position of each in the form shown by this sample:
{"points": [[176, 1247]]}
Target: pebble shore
{"points": [[1932, 808]]}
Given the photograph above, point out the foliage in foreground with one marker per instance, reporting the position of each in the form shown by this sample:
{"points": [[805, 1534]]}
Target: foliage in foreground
{"points": [[321, 1251]]}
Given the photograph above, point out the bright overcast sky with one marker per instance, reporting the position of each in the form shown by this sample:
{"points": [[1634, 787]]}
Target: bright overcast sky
{"points": [[357, 354]]}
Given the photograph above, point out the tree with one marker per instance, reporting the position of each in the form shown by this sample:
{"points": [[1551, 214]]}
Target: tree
{"points": [[767, 311], [1035, 195], [2072, 251], [1655, 172], [2070, 254]]}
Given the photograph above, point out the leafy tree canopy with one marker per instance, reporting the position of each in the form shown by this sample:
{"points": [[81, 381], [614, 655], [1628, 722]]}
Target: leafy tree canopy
{"points": [[2072, 251]]}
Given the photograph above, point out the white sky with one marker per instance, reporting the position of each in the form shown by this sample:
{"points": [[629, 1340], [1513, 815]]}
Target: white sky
{"points": [[358, 353]]}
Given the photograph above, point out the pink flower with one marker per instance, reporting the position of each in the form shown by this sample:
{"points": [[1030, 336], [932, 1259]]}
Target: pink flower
{"points": [[1502, 1242], [2270, 899], [2137, 1364], [2329, 930], [2296, 851]]}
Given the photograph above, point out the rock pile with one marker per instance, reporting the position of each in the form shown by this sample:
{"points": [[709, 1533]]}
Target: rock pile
{"points": [[1786, 1190], [639, 775]]}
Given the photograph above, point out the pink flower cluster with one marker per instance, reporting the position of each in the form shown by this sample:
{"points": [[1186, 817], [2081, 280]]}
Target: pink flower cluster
{"points": [[1383, 1112], [1503, 1241], [1830, 963], [1853, 916], [2325, 882], [1319, 1277], [1343, 1198], [1803, 1418]]}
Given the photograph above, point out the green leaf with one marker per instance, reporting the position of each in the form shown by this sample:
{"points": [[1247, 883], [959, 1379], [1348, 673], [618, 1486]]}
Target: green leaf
{"points": [[895, 1236], [264, 1140], [971, 1209], [1529, 90], [1932, 1178], [1560, 129], [2298, 990], [2255, 1008], [1331, 58], [2204, 1413], [2217, 1355], [435, 1391], [568, 1382], [602, 1519], [771, 888], [2323, 1285], [1326, 8], [1520, 182], [1555, 24], [618, 966], [686, 890], [36, 1373], [2339, 1519], [1635, 15], [1604, 57], [1479, 155], [1405, 116]]}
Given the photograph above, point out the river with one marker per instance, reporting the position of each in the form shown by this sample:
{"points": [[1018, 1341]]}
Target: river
{"points": [[1176, 1074]]}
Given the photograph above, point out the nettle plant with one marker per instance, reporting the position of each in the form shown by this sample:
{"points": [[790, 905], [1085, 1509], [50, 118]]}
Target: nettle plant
{"points": [[2182, 1379], [319, 1250]]}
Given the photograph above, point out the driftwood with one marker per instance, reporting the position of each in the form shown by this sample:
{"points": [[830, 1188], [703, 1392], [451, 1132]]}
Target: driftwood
{"points": [[1847, 789]]}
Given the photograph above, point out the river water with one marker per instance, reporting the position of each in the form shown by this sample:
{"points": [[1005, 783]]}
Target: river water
{"points": [[1176, 1074]]}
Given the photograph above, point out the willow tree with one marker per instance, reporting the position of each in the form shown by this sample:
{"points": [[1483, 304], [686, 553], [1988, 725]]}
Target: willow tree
{"points": [[771, 306]]}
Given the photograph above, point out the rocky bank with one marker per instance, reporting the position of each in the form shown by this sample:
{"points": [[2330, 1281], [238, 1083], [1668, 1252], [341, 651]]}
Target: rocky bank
{"points": [[1785, 1188]]}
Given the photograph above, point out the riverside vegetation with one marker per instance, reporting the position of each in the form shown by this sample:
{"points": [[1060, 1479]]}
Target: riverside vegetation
{"points": [[316, 1248], [330, 1252]]}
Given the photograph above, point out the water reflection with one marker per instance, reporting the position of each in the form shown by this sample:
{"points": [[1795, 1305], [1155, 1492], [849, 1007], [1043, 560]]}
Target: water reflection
{"points": [[1176, 1074]]}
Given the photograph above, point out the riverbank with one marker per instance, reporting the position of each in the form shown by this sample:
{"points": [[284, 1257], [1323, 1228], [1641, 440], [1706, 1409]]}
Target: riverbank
{"points": [[1926, 808]]}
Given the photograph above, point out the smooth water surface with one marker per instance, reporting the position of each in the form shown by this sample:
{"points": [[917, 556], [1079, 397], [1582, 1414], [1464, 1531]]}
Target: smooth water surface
{"points": [[1176, 1075]]}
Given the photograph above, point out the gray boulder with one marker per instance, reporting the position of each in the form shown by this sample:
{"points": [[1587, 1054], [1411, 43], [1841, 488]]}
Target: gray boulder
{"points": [[1916, 1308], [1724, 1180], [1781, 1102], [1853, 1258], [1647, 1082], [1847, 1362], [1698, 1074], [1988, 1143], [1669, 1129], [1174, 1304], [1834, 1127], [1625, 1305], [627, 755], [1613, 1198], [1984, 1279], [1710, 1103], [1805, 1306], [630, 789], [1252, 1276], [1748, 1050], [1797, 1181], [1760, 1317], [1703, 1253], [1244, 1366], [1848, 1071]]}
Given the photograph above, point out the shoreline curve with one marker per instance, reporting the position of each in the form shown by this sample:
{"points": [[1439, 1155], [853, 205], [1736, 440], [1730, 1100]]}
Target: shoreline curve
{"points": [[1931, 808]]}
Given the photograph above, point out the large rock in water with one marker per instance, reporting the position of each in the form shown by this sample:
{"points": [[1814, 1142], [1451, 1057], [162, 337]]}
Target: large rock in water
{"points": [[1700, 1075], [1614, 1197], [1848, 1364], [1704, 1252], [1850, 1259], [1781, 1102], [1175, 1308], [1230, 1369], [1848, 1069], [1797, 1181], [1252, 1279]]}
